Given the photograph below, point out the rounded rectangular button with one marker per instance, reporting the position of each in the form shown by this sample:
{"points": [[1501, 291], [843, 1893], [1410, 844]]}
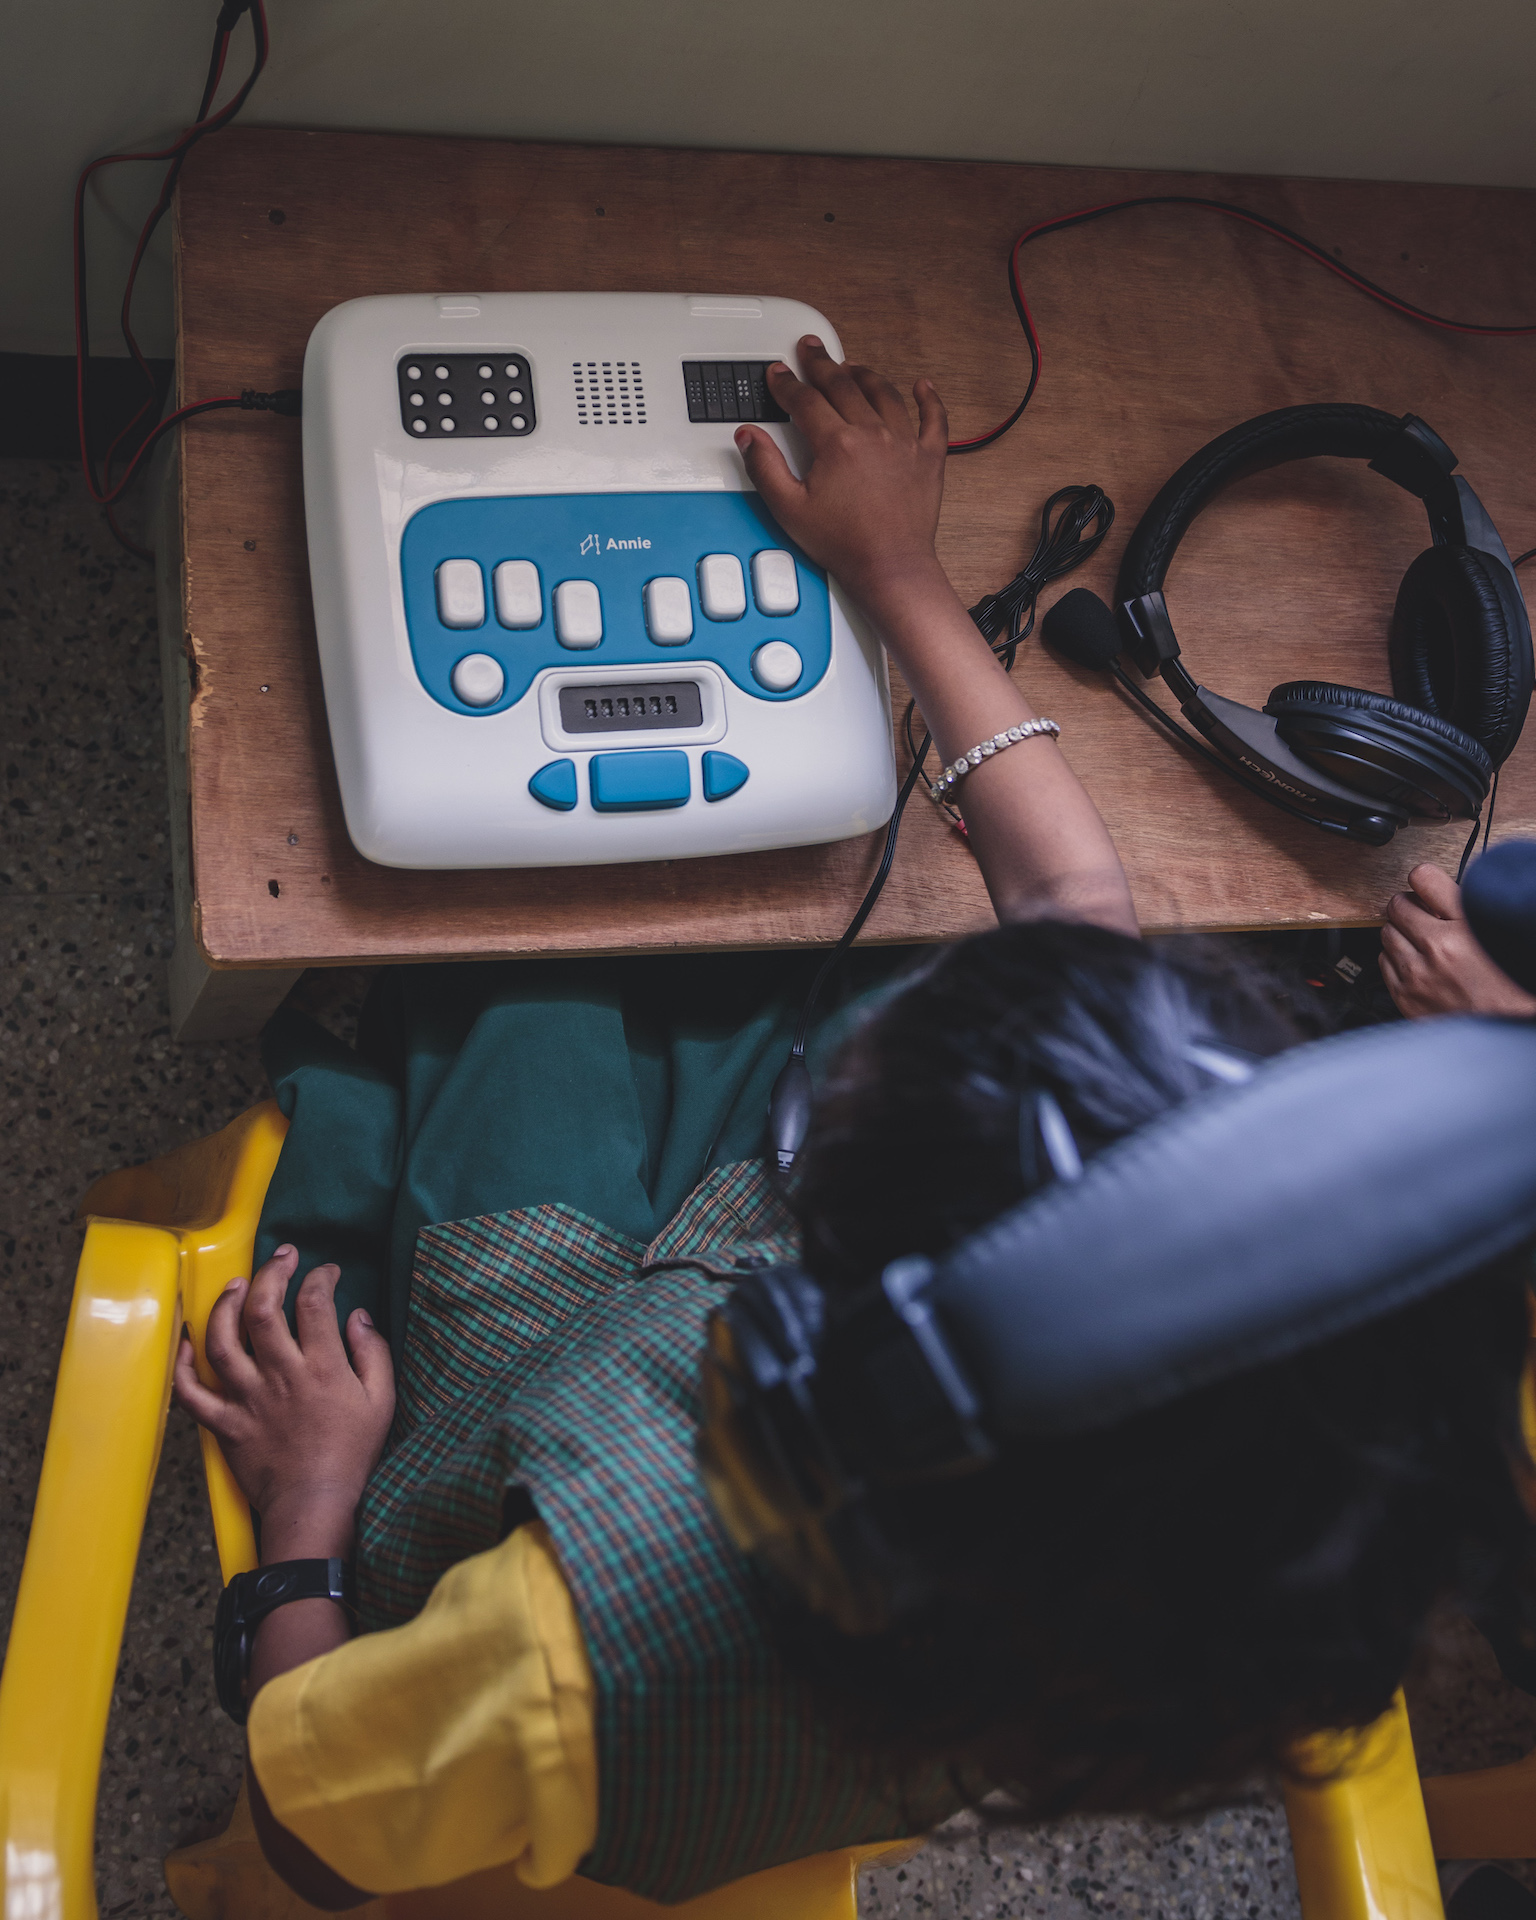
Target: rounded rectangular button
{"points": [[578, 613], [668, 611], [722, 586], [461, 594], [519, 598], [775, 584], [639, 782]]}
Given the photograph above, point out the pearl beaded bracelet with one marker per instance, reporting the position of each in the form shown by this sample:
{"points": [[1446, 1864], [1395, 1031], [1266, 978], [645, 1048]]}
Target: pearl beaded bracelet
{"points": [[951, 777]]}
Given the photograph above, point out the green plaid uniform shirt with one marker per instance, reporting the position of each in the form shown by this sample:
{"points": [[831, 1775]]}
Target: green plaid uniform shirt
{"points": [[547, 1353]]}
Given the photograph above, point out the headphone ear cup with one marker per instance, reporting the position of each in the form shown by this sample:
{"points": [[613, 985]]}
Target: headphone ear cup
{"points": [[1455, 650], [1385, 748]]}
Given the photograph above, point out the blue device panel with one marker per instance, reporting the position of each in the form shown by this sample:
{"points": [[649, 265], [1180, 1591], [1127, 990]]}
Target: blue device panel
{"points": [[618, 542]]}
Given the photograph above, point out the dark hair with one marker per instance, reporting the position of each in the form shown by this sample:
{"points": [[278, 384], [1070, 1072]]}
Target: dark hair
{"points": [[1131, 1617]]}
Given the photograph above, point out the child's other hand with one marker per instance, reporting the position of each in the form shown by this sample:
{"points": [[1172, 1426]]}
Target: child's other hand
{"points": [[300, 1426], [1430, 958], [868, 506]]}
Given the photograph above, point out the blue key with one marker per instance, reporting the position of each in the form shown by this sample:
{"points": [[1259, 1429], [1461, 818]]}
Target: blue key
{"points": [[555, 785], [639, 782], [724, 775]]}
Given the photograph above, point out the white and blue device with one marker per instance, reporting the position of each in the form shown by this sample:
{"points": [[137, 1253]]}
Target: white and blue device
{"points": [[556, 624]]}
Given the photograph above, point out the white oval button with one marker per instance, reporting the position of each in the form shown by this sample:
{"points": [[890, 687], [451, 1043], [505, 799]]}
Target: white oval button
{"points": [[722, 586], [578, 613], [478, 680], [776, 666], [668, 611], [775, 585], [519, 601], [461, 594]]}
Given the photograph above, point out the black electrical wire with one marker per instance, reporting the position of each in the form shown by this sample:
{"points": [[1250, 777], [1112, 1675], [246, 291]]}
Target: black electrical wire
{"points": [[1007, 617], [1004, 618], [206, 122]]}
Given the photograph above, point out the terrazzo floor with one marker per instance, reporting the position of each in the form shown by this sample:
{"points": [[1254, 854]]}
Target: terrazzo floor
{"points": [[91, 1081]]}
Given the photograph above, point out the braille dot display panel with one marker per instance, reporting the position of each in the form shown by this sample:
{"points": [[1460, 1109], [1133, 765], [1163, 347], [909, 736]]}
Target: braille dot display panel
{"points": [[443, 395]]}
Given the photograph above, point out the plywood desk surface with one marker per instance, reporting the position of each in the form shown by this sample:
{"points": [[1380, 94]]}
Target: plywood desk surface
{"points": [[1160, 328]]}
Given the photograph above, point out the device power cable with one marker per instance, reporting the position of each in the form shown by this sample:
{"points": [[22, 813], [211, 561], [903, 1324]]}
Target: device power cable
{"points": [[1082, 216], [106, 492]]}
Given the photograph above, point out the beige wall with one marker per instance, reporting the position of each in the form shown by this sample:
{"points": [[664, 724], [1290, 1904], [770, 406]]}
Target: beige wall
{"points": [[1386, 89]]}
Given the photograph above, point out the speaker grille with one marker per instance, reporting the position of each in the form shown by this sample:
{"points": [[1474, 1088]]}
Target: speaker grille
{"points": [[609, 393]]}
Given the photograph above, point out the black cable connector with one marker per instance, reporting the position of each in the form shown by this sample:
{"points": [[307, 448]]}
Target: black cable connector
{"points": [[288, 400]]}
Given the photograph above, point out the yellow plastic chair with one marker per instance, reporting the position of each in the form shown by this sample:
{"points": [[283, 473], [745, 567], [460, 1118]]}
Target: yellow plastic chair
{"points": [[161, 1242]]}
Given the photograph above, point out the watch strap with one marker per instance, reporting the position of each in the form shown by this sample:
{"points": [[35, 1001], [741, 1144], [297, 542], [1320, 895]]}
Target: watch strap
{"points": [[247, 1601]]}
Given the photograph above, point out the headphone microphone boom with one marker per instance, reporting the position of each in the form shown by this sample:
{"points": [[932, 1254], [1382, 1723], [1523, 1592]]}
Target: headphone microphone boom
{"points": [[1084, 630]]}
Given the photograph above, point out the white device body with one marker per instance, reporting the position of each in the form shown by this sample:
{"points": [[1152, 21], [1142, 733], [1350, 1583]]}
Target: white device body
{"points": [[427, 786]]}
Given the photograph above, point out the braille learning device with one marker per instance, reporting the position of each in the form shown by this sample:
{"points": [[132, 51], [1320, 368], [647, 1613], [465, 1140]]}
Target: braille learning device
{"points": [[556, 624]]}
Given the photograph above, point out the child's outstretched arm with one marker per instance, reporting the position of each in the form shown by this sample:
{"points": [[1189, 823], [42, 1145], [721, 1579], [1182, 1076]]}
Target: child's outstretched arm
{"points": [[1430, 958], [867, 510]]}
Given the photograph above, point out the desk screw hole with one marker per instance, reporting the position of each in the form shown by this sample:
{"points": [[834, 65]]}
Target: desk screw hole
{"points": [[277, 216], [273, 888], [250, 546], [293, 839], [600, 211], [829, 216]]}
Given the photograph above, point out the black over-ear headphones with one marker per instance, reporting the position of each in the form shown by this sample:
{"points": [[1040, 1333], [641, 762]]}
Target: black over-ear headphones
{"points": [[1331, 1186], [1349, 760]]}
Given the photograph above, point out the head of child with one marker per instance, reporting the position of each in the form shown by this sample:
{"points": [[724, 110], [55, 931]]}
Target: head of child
{"points": [[1130, 1617]]}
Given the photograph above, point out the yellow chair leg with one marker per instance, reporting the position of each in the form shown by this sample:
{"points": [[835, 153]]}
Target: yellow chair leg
{"points": [[1360, 1836]]}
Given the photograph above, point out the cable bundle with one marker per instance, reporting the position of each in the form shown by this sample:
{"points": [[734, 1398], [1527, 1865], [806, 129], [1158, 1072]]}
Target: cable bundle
{"points": [[104, 491]]}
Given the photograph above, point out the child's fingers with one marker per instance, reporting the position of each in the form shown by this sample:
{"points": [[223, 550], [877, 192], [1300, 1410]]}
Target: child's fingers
{"points": [[372, 1361], [1410, 921], [884, 398], [1400, 950], [265, 1324], [1437, 890], [932, 419], [769, 472], [834, 379], [314, 1310], [805, 406], [222, 1343], [208, 1408]]}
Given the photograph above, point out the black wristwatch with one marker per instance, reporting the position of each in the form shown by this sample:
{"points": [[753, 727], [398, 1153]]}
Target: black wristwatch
{"points": [[247, 1601]]}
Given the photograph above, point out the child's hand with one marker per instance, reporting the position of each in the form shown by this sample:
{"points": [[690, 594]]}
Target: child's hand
{"points": [[300, 1427], [1430, 958], [868, 506]]}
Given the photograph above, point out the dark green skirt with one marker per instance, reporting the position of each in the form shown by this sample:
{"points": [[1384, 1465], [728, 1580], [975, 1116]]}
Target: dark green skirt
{"points": [[611, 1086]]}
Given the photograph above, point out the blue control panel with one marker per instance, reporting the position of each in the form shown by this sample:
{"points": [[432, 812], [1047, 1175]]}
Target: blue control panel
{"points": [[499, 589]]}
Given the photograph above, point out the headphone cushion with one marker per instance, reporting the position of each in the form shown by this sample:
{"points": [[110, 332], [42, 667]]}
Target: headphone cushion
{"points": [[1300, 696], [1452, 650]]}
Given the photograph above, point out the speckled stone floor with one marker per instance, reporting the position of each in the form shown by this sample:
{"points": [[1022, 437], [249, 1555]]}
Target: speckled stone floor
{"points": [[91, 1081]]}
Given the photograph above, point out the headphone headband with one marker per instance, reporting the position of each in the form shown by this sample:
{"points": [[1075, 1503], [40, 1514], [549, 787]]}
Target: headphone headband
{"points": [[1404, 450], [1346, 1179], [1343, 1181]]}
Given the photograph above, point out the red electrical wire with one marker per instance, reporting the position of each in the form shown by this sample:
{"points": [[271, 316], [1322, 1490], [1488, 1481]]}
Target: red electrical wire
{"points": [[1233, 212], [207, 122]]}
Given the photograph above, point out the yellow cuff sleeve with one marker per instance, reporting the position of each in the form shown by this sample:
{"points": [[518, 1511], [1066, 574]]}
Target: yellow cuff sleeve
{"points": [[460, 1741]]}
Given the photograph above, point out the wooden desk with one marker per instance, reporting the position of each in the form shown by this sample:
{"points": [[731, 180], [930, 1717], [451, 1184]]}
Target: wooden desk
{"points": [[1160, 328]]}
